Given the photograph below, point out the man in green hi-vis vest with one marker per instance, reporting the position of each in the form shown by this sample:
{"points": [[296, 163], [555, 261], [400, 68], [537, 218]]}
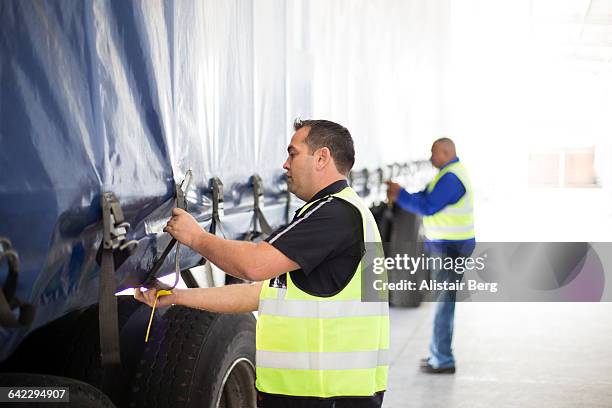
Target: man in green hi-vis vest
{"points": [[446, 205], [318, 344]]}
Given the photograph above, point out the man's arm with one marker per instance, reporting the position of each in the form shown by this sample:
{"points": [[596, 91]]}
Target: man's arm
{"points": [[448, 190], [226, 299], [244, 260]]}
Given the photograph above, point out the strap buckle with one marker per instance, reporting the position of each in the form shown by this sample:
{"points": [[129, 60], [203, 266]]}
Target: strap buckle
{"points": [[181, 190], [150, 281], [217, 197], [114, 225], [258, 191], [258, 203], [8, 300]]}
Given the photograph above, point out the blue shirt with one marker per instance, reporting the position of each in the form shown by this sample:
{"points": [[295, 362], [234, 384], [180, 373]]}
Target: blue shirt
{"points": [[448, 190]]}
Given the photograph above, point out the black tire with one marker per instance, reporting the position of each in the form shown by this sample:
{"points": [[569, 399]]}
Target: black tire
{"points": [[80, 394], [83, 355], [196, 358], [75, 344], [406, 298], [405, 239], [383, 215]]}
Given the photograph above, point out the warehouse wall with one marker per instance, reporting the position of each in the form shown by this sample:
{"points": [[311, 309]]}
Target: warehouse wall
{"points": [[532, 78]]}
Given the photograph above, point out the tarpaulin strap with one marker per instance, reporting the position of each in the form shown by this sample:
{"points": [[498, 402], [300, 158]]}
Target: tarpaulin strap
{"points": [[6, 251], [217, 206], [258, 203], [8, 319], [381, 178], [380, 183], [216, 188], [150, 281], [164, 289], [288, 207], [114, 238], [8, 301]]}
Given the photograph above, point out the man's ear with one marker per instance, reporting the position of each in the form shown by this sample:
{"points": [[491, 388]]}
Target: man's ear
{"points": [[323, 157]]}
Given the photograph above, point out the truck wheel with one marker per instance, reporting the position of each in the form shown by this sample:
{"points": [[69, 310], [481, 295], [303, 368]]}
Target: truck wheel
{"points": [[75, 341], [84, 348], [196, 358], [80, 394], [406, 238]]}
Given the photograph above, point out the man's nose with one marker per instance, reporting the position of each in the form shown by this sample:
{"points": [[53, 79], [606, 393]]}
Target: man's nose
{"points": [[286, 164]]}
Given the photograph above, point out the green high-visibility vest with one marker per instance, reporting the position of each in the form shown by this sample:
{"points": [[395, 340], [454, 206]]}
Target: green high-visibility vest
{"points": [[455, 222], [324, 347]]}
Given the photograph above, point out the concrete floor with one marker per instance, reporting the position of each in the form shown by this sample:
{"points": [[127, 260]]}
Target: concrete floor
{"points": [[508, 355]]}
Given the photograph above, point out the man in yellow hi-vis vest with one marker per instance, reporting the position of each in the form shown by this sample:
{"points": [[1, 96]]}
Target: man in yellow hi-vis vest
{"points": [[448, 220], [318, 344]]}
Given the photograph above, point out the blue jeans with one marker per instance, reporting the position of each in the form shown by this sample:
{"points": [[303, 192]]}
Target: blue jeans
{"points": [[440, 348], [441, 352]]}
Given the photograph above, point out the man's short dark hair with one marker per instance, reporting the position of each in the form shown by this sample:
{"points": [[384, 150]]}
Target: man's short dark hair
{"points": [[324, 133]]}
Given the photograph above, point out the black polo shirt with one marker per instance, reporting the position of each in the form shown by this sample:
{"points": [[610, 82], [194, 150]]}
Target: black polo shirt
{"points": [[326, 242]]}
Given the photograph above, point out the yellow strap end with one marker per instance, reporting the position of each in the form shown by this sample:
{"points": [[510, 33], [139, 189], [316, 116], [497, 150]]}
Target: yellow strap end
{"points": [[159, 293]]}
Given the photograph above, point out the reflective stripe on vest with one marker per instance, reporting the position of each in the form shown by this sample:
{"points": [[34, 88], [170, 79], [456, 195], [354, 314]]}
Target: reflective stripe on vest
{"points": [[455, 221], [324, 346], [315, 308], [331, 360]]}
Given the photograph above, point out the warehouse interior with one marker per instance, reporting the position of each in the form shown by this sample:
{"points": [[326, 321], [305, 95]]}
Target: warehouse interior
{"points": [[529, 99]]}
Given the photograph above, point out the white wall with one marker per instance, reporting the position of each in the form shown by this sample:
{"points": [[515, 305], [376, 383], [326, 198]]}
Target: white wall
{"points": [[516, 88]]}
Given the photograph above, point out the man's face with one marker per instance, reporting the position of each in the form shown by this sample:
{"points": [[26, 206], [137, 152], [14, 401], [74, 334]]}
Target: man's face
{"points": [[300, 165], [438, 157]]}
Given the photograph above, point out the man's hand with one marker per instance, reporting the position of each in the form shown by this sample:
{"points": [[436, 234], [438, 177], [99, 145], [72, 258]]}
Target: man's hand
{"points": [[148, 297], [393, 190], [183, 227]]}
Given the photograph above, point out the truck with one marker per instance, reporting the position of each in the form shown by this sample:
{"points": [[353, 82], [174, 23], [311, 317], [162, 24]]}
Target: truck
{"points": [[114, 112]]}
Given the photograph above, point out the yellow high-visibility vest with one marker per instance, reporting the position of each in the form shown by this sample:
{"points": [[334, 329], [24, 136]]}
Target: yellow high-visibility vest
{"points": [[324, 347], [455, 222]]}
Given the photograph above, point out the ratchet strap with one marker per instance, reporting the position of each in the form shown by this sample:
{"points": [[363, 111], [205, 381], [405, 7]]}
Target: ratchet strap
{"points": [[8, 301], [258, 215], [150, 280], [288, 207], [217, 206], [366, 182], [114, 240], [216, 188]]}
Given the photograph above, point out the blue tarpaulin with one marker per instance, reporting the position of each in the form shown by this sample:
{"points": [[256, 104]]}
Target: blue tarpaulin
{"points": [[126, 97]]}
